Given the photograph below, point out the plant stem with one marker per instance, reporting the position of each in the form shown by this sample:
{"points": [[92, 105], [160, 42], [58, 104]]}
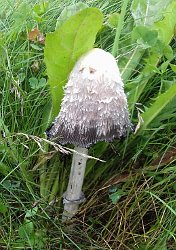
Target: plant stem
{"points": [[74, 196], [119, 28]]}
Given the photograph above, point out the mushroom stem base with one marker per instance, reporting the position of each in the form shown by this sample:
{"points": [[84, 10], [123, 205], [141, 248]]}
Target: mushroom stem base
{"points": [[74, 196]]}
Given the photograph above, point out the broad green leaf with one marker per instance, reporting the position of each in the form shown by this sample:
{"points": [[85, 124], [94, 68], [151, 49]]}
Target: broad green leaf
{"points": [[64, 46], [164, 66], [113, 20], [147, 12], [3, 208], [31, 212], [33, 81], [166, 85], [112, 189], [165, 29], [158, 106], [173, 67], [37, 84], [11, 185], [4, 169], [26, 229], [145, 36], [70, 11], [21, 77], [168, 52], [42, 82], [41, 8], [115, 197]]}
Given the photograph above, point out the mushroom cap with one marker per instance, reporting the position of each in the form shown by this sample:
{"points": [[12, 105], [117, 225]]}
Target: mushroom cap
{"points": [[94, 107]]}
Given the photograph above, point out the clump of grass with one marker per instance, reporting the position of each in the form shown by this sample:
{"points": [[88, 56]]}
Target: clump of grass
{"points": [[130, 198]]}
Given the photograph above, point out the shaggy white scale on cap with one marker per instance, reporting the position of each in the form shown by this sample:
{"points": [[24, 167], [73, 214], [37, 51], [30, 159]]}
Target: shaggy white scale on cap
{"points": [[94, 107]]}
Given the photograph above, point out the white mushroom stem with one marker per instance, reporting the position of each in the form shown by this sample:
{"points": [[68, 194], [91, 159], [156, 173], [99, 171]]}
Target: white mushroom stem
{"points": [[74, 196]]}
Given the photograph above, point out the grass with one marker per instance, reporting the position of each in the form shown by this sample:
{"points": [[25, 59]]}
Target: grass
{"points": [[131, 199]]}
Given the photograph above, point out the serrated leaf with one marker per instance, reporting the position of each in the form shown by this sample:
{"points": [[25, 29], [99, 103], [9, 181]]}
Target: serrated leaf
{"points": [[64, 46], [148, 12], [69, 11]]}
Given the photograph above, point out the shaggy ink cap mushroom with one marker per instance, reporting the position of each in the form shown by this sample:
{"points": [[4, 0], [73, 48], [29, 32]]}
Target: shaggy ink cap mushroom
{"points": [[94, 107]]}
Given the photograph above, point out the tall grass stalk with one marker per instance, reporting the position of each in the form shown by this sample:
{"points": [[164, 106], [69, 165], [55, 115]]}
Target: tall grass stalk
{"points": [[119, 28]]}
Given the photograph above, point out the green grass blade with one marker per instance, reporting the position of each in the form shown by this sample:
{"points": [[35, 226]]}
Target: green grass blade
{"points": [[162, 101], [119, 28], [164, 203]]}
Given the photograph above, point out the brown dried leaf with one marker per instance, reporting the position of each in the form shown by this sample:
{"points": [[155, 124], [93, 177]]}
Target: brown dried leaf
{"points": [[41, 38], [164, 159], [32, 35], [35, 66], [115, 180], [35, 35]]}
